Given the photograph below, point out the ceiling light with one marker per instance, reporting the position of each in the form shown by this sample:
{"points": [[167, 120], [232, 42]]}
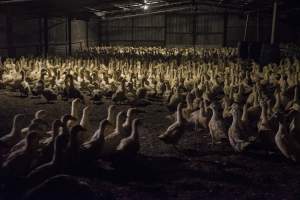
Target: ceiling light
{"points": [[146, 7]]}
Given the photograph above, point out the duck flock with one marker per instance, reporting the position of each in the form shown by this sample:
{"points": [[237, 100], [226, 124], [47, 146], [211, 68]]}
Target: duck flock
{"points": [[205, 89]]}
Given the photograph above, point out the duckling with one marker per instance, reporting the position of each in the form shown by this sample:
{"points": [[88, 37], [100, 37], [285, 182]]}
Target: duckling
{"points": [[286, 142], [237, 132], [113, 139], [216, 125], [130, 145], [19, 162], [14, 136], [175, 131], [52, 167]]}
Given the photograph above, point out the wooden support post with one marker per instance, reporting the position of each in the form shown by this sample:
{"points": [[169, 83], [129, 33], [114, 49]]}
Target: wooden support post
{"points": [[45, 27], [87, 34], [11, 51], [246, 27], [69, 31], [194, 30], [132, 31], [166, 29], [194, 34], [257, 26], [274, 22], [107, 33], [40, 33], [225, 26]]}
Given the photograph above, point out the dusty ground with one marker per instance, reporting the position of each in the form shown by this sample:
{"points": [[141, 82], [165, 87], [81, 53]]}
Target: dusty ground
{"points": [[203, 172]]}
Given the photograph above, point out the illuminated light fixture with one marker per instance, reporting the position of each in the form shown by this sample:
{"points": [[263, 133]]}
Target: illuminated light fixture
{"points": [[100, 13], [146, 7]]}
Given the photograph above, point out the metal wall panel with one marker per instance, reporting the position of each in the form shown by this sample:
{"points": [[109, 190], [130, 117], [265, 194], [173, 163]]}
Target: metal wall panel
{"points": [[57, 32], [94, 34], [150, 21], [78, 30], [179, 24], [209, 23]]}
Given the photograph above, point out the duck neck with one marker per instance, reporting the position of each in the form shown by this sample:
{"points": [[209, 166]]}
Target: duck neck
{"points": [[110, 116], [74, 111], [128, 119], [214, 114], [179, 115], [296, 94], [263, 115], [282, 128], [57, 154], [245, 114], [278, 102], [23, 76], [134, 134], [71, 81], [118, 124]]}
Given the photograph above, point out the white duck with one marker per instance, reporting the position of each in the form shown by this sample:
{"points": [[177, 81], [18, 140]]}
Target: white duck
{"points": [[216, 125], [113, 139], [130, 145], [286, 142], [14, 135]]}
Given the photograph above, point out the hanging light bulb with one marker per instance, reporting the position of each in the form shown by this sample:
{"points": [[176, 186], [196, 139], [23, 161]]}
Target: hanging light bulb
{"points": [[146, 7]]}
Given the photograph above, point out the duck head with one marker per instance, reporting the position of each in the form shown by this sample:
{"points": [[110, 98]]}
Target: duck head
{"points": [[56, 124], [40, 114], [41, 124], [214, 106], [66, 118], [119, 120], [76, 130], [134, 127], [111, 113], [131, 112], [17, 122], [32, 140], [235, 109], [101, 128]]}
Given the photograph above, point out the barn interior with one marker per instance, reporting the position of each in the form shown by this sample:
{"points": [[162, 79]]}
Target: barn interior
{"points": [[149, 99]]}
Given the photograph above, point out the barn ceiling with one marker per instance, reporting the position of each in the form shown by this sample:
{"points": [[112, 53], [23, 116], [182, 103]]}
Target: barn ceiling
{"points": [[112, 9]]}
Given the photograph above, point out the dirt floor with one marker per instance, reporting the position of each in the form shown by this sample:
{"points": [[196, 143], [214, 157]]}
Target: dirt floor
{"points": [[200, 171]]}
